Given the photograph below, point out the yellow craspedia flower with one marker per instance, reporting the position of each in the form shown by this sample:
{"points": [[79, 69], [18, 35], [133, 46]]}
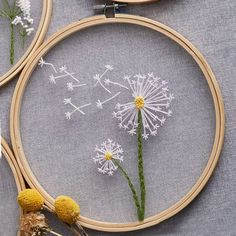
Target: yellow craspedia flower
{"points": [[30, 200], [67, 209]]}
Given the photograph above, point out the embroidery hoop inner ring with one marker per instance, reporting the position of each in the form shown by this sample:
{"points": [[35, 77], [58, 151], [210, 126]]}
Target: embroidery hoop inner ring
{"points": [[170, 33], [37, 41]]}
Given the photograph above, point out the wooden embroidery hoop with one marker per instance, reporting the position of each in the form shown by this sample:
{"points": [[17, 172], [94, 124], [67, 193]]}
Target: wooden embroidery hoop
{"points": [[37, 41], [147, 23], [20, 184]]}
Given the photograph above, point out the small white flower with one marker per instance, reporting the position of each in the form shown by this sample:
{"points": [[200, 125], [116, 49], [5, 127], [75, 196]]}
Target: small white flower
{"points": [[152, 98], [105, 156], [25, 6], [29, 31], [29, 20], [17, 21], [25, 19]]}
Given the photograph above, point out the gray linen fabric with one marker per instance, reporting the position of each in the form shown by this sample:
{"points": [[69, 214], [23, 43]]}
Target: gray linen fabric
{"points": [[9, 211], [60, 151]]}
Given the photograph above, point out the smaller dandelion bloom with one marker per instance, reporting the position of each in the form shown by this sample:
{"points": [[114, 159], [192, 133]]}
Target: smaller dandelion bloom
{"points": [[151, 98], [105, 156]]}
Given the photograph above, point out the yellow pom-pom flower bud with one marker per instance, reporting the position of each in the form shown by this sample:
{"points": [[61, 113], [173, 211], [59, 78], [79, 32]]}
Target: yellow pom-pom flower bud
{"points": [[67, 209], [30, 200]]}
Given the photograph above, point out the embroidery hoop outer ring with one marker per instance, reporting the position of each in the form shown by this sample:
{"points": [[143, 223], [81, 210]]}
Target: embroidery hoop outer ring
{"points": [[37, 41], [20, 184], [170, 33]]}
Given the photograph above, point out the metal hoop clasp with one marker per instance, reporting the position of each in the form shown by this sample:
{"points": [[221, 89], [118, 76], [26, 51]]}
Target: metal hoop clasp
{"points": [[109, 9]]}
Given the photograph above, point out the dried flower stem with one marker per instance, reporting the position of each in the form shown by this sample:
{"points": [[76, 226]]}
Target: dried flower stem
{"points": [[81, 230], [72, 228]]}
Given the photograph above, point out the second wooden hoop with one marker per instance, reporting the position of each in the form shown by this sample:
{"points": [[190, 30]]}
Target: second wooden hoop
{"points": [[170, 33], [37, 41]]}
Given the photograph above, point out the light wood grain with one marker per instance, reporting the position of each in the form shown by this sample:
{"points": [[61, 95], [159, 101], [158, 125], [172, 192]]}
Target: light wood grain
{"points": [[20, 184], [170, 33], [37, 41]]}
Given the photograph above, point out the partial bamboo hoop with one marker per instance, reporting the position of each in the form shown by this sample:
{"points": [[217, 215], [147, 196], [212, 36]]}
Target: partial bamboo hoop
{"points": [[20, 184], [37, 41], [170, 33]]}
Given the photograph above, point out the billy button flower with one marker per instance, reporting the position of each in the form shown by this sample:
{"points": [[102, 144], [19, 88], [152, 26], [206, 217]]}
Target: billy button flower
{"points": [[68, 211], [30, 200]]}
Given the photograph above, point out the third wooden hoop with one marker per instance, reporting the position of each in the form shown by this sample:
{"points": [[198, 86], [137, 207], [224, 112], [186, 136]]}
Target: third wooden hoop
{"points": [[20, 184]]}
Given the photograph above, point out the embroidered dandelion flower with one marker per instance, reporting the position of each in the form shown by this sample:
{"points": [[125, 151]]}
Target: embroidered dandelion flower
{"points": [[152, 98], [108, 152]]}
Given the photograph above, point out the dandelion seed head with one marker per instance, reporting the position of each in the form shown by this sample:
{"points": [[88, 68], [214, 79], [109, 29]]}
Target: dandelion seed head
{"points": [[106, 155], [151, 98]]}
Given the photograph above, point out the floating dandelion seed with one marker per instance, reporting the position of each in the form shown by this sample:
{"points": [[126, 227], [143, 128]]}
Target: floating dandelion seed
{"points": [[79, 109], [42, 62], [98, 77], [100, 104], [63, 69], [108, 151], [108, 82], [71, 86], [152, 98]]}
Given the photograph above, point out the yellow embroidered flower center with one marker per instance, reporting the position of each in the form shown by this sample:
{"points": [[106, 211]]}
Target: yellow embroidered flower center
{"points": [[139, 102], [108, 156]]}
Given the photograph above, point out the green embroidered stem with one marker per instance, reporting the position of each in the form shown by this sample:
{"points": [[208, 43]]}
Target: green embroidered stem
{"points": [[12, 49], [10, 11], [140, 166], [132, 188]]}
